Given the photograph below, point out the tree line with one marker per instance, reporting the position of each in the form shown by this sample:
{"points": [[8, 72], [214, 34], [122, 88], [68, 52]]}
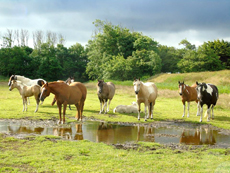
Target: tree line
{"points": [[113, 52]]}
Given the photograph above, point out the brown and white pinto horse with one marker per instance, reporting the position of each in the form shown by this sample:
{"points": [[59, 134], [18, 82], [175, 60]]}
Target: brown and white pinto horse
{"points": [[75, 93], [188, 94], [145, 93]]}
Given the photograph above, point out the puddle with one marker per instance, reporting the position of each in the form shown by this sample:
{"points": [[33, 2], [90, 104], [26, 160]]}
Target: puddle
{"points": [[162, 132]]}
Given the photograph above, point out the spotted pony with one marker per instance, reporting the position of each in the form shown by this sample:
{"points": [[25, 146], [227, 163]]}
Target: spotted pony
{"points": [[207, 94]]}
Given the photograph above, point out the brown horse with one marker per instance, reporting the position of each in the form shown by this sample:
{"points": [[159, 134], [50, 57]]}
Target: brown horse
{"points": [[68, 82], [145, 93], [26, 91], [188, 94], [105, 92], [75, 93]]}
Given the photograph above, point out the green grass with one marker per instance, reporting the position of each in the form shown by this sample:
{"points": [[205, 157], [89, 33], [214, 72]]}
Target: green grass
{"points": [[44, 154], [50, 154]]}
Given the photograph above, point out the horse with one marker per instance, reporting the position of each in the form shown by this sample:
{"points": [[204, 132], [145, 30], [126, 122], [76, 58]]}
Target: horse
{"points": [[68, 82], [188, 94], [126, 108], [26, 81], [75, 93], [26, 91], [145, 93], [105, 92], [207, 94]]}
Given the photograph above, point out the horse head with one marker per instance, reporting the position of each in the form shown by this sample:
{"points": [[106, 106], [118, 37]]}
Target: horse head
{"points": [[45, 91], [181, 87], [100, 84], [13, 84], [199, 89], [137, 85], [12, 77]]}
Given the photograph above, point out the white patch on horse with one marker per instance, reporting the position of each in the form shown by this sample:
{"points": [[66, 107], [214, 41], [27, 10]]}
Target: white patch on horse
{"points": [[150, 89], [209, 89]]}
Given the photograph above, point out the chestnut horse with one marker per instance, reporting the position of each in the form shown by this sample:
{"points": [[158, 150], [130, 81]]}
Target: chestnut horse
{"points": [[105, 92], [75, 93], [68, 82], [188, 94], [145, 93]]}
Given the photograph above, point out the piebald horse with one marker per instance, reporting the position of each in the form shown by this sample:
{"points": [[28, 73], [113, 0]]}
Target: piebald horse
{"points": [[75, 93], [26, 91], [145, 93], [188, 94], [26, 81], [105, 92]]}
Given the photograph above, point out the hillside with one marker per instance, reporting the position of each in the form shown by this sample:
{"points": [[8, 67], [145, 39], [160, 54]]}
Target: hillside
{"points": [[170, 81]]}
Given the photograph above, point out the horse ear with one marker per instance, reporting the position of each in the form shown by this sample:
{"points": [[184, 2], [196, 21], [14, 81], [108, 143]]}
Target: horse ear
{"points": [[183, 82], [178, 82], [139, 79], [197, 83]]}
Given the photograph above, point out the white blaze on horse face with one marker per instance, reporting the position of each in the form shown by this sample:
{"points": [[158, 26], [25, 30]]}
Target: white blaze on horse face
{"points": [[198, 92], [180, 89], [43, 89]]}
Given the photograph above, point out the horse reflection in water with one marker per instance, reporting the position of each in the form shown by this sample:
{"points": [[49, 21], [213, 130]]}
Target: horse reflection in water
{"points": [[67, 133], [105, 133], [201, 136], [25, 130], [148, 133]]}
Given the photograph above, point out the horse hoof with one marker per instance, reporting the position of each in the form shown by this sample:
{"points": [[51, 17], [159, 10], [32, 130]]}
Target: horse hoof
{"points": [[151, 118]]}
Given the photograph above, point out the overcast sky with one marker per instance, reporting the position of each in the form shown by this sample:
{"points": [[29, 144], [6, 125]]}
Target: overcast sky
{"points": [[166, 21]]}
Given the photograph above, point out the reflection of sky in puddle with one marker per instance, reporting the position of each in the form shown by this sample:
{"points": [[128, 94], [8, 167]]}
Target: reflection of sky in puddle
{"points": [[163, 133]]}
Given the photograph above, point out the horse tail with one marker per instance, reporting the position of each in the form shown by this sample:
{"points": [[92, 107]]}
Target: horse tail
{"points": [[150, 110]]}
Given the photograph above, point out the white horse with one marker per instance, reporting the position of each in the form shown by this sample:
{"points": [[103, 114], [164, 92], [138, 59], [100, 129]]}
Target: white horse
{"points": [[26, 91], [26, 81], [145, 93], [126, 108]]}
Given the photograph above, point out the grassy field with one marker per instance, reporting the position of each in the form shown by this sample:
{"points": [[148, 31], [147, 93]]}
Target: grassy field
{"points": [[48, 154]]}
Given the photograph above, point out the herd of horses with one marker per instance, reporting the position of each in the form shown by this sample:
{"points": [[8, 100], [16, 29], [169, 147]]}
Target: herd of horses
{"points": [[70, 92]]}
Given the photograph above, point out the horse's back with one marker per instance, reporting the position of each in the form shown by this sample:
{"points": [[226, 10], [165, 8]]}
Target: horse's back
{"points": [[111, 87], [81, 87]]}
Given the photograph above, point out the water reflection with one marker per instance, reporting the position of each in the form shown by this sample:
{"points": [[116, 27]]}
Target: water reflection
{"points": [[114, 133]]}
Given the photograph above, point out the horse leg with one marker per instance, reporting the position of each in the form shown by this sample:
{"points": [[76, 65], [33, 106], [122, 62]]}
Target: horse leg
{"points": [[201, 113], [184, 104], [59, 108], [82, 107], [23, 103], [78, 111], [188, 109], [151, 107], [209, 113], [53, 102], [146, 105], [108, 106], [69, 107], [105, 106], [198, 109], [101, 102], [37, 101], [64, 110], [149, 110], [26, 103], [139, 110], [212, 112]]}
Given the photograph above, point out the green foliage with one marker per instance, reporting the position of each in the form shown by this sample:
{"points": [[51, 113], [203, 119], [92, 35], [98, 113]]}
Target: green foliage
{"points": [[116, 53]]}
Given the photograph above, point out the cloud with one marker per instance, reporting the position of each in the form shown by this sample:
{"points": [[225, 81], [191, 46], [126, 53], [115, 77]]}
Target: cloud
{"points": [[166, 21]]}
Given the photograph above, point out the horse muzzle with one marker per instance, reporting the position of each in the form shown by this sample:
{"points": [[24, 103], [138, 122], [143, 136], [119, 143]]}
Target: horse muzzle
{"points": [[136, 92], [180, 94]]}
